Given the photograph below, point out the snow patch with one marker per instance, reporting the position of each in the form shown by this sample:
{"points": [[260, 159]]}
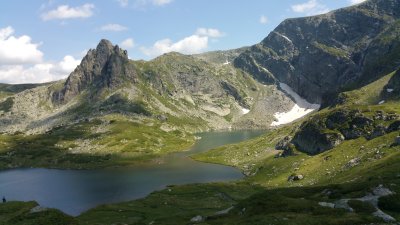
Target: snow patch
{"points": [[227, 62], [284, 36], [381, 102], [389, 90], [301, 108], [245, 111]]}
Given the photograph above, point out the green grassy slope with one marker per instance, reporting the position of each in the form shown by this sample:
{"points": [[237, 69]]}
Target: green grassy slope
{"points": [[28, 213], [107, 141], [349, 171]]}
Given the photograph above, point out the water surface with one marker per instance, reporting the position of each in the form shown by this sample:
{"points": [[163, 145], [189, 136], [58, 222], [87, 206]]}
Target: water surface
{"points": [[75, 191]]}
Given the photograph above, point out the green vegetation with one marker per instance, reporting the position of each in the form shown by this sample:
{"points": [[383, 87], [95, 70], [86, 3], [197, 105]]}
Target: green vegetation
{"points": [[361, 207], [107, 141], [7, 90], [367, 95], [391, 205], [174, 205], [332, 50], [157, 113], [7, 104], [29, 213]]}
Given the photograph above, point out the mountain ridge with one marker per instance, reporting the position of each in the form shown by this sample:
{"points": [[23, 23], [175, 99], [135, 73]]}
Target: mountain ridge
{"points": [[321, 54]]}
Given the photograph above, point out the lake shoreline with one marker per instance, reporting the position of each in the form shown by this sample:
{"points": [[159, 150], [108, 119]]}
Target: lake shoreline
{"points": [[178, 167]]}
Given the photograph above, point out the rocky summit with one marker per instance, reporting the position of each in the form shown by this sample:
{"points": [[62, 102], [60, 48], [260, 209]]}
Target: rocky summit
{"points": [[325, 54], [107, 66]]}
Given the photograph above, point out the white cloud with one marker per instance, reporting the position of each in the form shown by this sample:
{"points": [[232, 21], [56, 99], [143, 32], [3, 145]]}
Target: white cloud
{"points": [[263, 19], [65, 66], [142, 3], [161, 2], [127, 43], [354, 2], [123, 3], [113, 27], [311, 7], [196, 43], [38, 73], [209, 32], [67, 12], [17, 50], [22, 62], [189, 45]]}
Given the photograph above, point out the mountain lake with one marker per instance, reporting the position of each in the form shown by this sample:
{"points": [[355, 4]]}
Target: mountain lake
{"points": [[75, 191]]}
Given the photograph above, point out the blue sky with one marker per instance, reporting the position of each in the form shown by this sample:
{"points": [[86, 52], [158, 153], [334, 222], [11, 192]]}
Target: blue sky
{"points": [[42, 41]]}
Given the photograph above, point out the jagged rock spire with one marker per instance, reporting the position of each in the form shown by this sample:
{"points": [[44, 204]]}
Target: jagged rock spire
{"points": [[107, 66]]}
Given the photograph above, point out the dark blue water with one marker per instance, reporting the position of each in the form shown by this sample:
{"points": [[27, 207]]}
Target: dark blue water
{"points": [[75, 191]]}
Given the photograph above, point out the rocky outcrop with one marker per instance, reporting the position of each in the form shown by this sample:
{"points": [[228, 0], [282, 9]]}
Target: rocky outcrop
{"points": [[107, 66], [319, 55], [314, 140], [395, 126], [319, 134], [231, 90], [287, 147]]}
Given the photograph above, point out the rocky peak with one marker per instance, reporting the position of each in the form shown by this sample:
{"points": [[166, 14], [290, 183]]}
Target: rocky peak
{"points": [[107, 66], [322, 54]]}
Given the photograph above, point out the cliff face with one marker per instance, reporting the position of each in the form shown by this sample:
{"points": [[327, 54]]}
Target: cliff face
{"points": [[322, 54], [106, 66]]}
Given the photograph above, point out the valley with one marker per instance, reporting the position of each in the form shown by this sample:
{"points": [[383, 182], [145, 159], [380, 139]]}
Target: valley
{"points": [[323, 91]]}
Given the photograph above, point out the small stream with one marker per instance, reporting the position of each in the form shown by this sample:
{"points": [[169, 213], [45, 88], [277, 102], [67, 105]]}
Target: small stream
{"points": [[75, 191]]}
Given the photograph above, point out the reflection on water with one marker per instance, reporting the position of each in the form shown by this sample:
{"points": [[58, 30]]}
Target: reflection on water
{"points": [[74, 191]]}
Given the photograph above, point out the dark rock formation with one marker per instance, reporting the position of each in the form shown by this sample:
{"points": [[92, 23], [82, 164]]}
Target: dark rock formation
{"points": [[395, 126], [379, 130], [231, 90], [321, 54], [320, 134], [287, 147], [107, 66], [314, 140]]}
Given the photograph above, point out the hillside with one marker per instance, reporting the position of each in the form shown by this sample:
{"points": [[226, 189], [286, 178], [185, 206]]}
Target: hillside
{"points": [[354, 182], [112, 110], [339, 164], [321, 55], [84, 117]]}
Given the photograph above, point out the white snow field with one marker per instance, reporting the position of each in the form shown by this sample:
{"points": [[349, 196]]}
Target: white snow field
{"points": [[301, 108]]}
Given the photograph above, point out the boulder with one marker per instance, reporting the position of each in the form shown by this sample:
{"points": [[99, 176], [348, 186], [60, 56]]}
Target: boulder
{"points": [[287, 147], [162, 118], [380, 115], [314, 138], [295, 177], [197, 219], [283, 144], [327, 204], [352, 163]]}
